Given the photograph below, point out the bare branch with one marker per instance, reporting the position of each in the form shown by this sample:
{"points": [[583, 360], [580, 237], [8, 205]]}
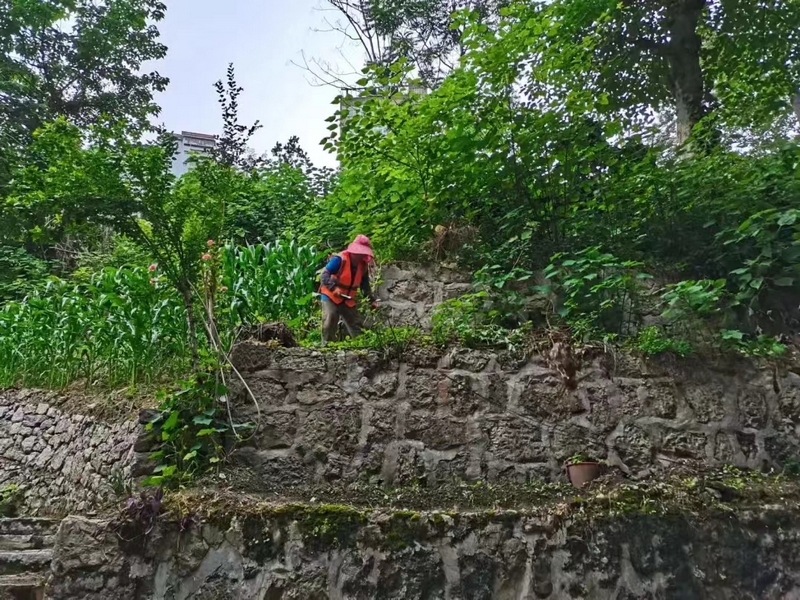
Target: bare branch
{"points": [[322, 73]]}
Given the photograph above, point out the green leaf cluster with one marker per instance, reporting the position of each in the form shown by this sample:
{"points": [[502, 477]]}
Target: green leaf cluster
{"points": [[192, 430]]}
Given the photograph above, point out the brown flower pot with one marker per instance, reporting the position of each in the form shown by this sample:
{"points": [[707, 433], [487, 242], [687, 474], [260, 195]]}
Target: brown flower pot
{"points": [[579, 474]]}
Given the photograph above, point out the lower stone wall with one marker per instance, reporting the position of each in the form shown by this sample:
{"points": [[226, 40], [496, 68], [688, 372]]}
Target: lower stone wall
{"points": [[479, 556], [429, 416], [61, 462]]}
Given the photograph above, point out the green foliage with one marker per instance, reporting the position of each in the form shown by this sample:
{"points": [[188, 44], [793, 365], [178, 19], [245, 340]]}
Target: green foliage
{"points": [[120, 485], [559, 168], [544, 142], [103, 176], [530, 167], [118, 251], [129, 326], [579, 458], [466, 319], [192, 430], [760, 346], [9, 497], [692, 298], [423, 32], [768, 245], [270, 201], [652, 341], [692, 310], [19, 272], [499, 313], [474, 320], [792, 468], [624, 58], [600, 292], [508, 293], [268, 282], [391, 342], [79, 59], [382, 145], [119, 328]]}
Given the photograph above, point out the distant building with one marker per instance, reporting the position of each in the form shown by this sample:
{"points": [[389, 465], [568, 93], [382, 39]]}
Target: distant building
{"points": [[189, 143]]}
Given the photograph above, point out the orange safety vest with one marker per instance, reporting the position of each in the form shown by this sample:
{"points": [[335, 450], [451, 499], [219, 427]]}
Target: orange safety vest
{"points": [[348, 285]]}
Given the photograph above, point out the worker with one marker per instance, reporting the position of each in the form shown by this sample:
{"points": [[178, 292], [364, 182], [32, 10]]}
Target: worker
{"points": [[343, 277]]}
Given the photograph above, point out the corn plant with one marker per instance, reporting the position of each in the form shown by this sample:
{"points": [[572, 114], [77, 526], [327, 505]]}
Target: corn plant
{"points": [[121, 328], [129, 326], [268, 282]]}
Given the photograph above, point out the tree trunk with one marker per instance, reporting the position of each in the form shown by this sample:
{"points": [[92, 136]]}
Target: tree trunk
{"points": [[188, 304], [796, 105], [683, 52]]}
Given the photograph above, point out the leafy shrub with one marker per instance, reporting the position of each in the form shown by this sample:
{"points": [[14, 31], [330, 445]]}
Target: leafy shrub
{"points": [[391, 341], [472, 320], [499, 313], [600, 292], [792, 468], [509, 293], [693, 298], [20, 272], [192, 428], [469, 320], [9, 497], [691, 305], [267, 202], [652, 342], [118, 252], [695, 309], [760, 346], [768, 246]]}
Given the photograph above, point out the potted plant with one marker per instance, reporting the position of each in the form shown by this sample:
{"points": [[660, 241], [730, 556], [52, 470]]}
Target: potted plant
{"points": [[582, 470]]}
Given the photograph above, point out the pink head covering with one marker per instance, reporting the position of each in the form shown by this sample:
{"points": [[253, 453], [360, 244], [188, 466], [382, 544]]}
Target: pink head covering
{"points": [[361, 245]]}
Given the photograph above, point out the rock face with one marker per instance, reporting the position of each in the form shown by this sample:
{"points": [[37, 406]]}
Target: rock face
{"points": [[437, 556], [409, 295], [428, 417], [60, 462]]}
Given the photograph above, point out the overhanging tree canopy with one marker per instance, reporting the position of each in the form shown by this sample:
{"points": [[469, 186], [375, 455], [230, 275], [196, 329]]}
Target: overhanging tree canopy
{"points": [[739, 57]]}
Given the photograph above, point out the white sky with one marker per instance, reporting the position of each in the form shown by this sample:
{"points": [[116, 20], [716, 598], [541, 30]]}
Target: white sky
{"points": [[261, 38]]}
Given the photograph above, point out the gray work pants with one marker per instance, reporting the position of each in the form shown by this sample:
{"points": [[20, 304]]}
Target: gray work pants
{"points": [[331, 313]]}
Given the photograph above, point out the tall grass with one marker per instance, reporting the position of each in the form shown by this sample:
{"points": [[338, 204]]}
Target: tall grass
{"points": [[124, 327]]}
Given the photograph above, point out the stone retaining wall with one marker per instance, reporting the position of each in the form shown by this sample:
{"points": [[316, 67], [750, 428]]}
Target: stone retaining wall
{"points": [[62, 463], [438, 556], [428, 417], [409, 293]]}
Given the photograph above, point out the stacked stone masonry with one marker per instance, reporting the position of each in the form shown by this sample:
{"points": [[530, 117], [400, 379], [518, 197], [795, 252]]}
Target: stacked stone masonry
{"points": [[410, 293], [437, 556], [61, 462], [26, 552], [432, 416]]}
